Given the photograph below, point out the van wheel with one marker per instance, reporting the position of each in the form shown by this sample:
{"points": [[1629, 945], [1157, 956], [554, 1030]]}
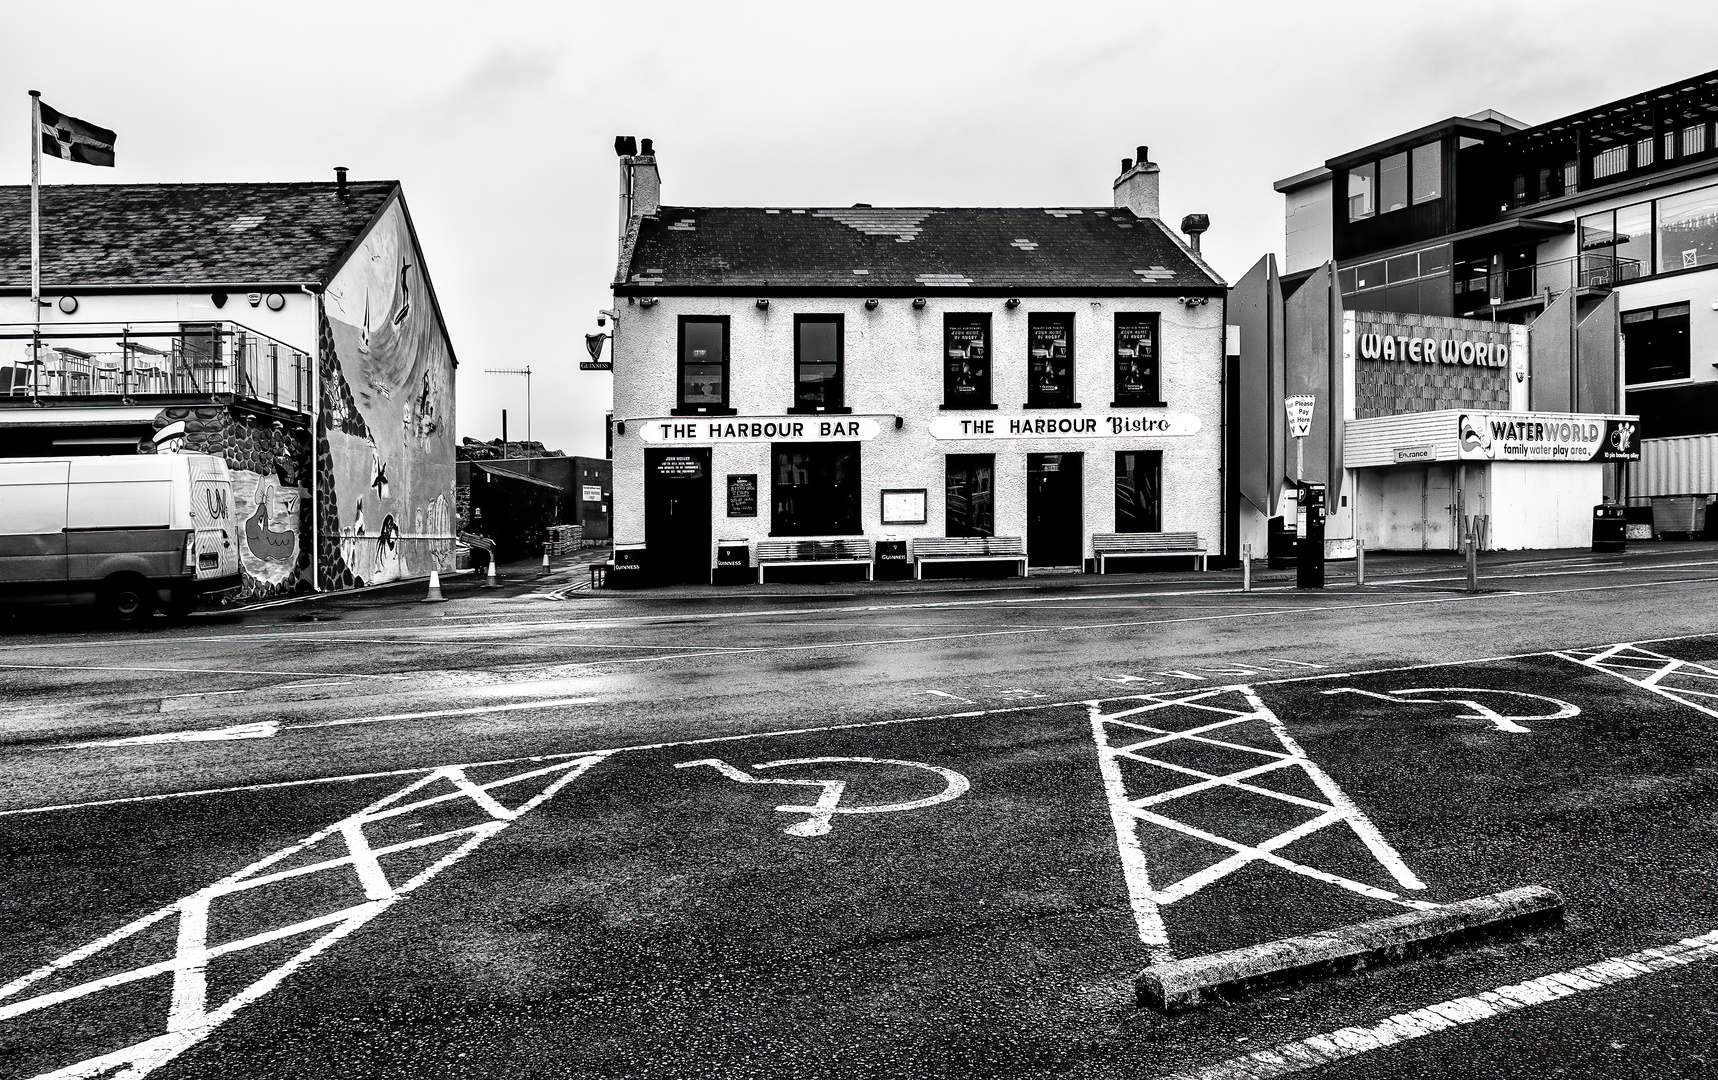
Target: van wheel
{"points": [[128, 600]]}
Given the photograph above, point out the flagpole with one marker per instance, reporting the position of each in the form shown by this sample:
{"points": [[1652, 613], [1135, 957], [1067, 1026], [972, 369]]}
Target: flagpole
{"points": [[35, 234]]}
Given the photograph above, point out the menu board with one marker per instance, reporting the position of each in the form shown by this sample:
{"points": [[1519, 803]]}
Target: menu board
{"points": [[742, 494]]}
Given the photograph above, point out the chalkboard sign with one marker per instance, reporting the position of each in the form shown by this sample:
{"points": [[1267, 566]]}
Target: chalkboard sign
{"points": [[742, 494]]}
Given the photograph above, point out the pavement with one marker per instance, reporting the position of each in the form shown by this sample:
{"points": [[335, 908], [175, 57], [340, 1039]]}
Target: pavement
{"points": [[865, 829]]}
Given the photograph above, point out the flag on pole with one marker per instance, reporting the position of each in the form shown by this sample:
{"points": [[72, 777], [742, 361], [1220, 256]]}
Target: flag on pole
{"points": [[71, 139]]}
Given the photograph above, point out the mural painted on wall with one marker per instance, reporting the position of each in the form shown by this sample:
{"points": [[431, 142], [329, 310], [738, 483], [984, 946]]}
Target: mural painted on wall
{"points": [[268, 461], [386, 433]]}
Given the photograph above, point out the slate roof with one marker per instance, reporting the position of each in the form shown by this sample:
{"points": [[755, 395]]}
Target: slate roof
{"points": [[894, 249], [163, 234]]}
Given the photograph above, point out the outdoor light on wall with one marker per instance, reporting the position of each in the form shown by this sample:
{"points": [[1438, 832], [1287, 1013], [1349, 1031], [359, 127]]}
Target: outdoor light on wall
{"points": [[899, 423], [276, 301], [68, 304], [620, 427], [871, 305], [1013, 302], [763, 302], [918, 301]]}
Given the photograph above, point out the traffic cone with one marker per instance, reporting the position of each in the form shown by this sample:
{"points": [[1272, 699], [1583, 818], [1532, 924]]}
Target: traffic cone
{"points": [[491, 582], [545, 570], [435, 596]]}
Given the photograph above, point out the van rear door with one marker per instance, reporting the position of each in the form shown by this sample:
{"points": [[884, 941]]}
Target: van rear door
{"points": [[212, 516], [33, 522]]}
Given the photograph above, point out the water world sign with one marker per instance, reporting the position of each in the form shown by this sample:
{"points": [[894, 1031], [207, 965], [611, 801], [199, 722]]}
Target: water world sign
{"points": [[1494, 436]]}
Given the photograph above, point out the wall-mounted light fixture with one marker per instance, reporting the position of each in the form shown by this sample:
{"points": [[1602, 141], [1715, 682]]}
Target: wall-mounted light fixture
{"points": [[276, 301], [620, 427], [763, 301], [918, 301], [871, 305], [68, 304], [1013, 302], [899, 423]]}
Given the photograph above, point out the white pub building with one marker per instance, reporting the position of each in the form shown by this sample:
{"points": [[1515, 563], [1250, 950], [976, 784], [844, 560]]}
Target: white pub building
{"points": [[875, 391]]}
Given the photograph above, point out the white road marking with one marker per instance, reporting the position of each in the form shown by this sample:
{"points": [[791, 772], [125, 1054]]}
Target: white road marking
{"points": [[1118, 736], [1317, 1050], [191, 1017], [1510, 722], [1683, 681], [187, 671], [946, 694], [271, 728], [817, 823]]}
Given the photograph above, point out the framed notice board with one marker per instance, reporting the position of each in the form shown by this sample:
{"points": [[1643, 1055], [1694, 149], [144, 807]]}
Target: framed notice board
{"points": [[742, 494], [904, 506]]}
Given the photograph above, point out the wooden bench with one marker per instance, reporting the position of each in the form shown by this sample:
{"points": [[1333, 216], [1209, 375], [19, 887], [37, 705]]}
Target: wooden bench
{"points": [[814, 553], [930, 549], [1147, 545]]}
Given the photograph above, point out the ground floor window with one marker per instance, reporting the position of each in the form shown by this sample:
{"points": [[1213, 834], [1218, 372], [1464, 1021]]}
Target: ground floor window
{"points": [[1655, 341], [815, 490], [1139, 487], [971, 506]]}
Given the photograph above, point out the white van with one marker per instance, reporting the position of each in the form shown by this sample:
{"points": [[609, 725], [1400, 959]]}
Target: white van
{"points": [[131, 533]]}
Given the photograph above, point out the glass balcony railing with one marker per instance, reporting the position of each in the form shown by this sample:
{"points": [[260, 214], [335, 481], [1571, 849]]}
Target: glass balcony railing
{"points": [[1477, 284], [132, 360]]}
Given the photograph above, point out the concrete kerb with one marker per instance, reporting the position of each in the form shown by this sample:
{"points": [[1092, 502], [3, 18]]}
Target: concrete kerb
{"points": [[1179, 985]]}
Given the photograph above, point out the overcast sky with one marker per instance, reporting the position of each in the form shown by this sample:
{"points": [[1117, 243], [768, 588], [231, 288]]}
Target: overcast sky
{"points": [[499, 118]]}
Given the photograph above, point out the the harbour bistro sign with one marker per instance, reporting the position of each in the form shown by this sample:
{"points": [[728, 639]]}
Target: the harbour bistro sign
{"points": [[1495, 436], [1107, 425], [1420, 349]]}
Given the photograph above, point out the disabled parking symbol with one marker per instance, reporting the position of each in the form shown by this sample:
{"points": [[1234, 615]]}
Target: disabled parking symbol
{"points": [[819, 814], [1536, 707]]}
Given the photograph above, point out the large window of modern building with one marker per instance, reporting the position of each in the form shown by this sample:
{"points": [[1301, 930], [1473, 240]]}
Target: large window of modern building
{"points": [[1688, 230], [1050, 360], [703, 364], [817, 364], [815, 490], [1362, 185], [1656, 343], [1417, 281], [1393, 183], [1428, 171], [1616, 245], [966, 361], [1139, 491], [970, 508], [1136, 375]]}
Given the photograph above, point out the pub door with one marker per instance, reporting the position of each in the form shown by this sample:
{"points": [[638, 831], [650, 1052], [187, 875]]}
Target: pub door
{"points": [[677, 515], [1053, 510]]}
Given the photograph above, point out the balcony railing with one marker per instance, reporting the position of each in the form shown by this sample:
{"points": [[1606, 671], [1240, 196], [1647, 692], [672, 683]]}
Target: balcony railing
{"points": [[130, 360], [1477, 284]]}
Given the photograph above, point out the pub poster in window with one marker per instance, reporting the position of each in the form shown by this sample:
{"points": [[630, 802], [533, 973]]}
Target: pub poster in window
{"points": [[1136, 359], [1050, 346], [968, 348]]}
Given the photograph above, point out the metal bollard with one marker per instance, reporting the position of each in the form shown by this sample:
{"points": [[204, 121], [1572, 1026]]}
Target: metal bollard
{"points": [[1472, 564], [1246, 568], [1359, 562]]}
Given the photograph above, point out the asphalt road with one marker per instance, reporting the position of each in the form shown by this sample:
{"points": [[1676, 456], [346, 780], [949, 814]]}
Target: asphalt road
{"points": [[859, 831]]}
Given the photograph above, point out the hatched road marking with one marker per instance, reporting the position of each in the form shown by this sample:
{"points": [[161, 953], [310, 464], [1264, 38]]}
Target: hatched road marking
{"points": [[190, 1017]]}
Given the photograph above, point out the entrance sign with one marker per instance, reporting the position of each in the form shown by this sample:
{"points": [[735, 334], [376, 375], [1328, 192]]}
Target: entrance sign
{"points": [[706, 431], [828, 804], [1075, 425], [1299, 410], [1407, 454]]}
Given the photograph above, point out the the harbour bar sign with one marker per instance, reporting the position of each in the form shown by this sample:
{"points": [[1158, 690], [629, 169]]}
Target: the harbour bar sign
{"points": [[708, 431]]}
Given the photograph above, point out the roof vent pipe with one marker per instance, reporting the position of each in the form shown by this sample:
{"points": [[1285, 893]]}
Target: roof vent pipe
{"points": [[340, 179]]}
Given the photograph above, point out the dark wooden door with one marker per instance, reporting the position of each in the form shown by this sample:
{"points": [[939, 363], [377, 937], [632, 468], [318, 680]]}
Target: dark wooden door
{"points": [[1053, 509], [677, 515]]}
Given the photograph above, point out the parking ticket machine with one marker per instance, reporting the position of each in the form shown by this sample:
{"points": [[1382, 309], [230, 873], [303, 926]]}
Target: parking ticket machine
{"points": [[1309, 553]]}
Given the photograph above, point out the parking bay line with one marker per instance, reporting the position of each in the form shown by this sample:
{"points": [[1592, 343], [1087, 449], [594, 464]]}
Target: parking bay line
{"points": [[1318, 1050]]}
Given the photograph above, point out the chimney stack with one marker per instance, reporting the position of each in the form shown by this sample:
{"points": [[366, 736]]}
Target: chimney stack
{"points": [[1136, 187], [640, 184], [340, 180]]}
